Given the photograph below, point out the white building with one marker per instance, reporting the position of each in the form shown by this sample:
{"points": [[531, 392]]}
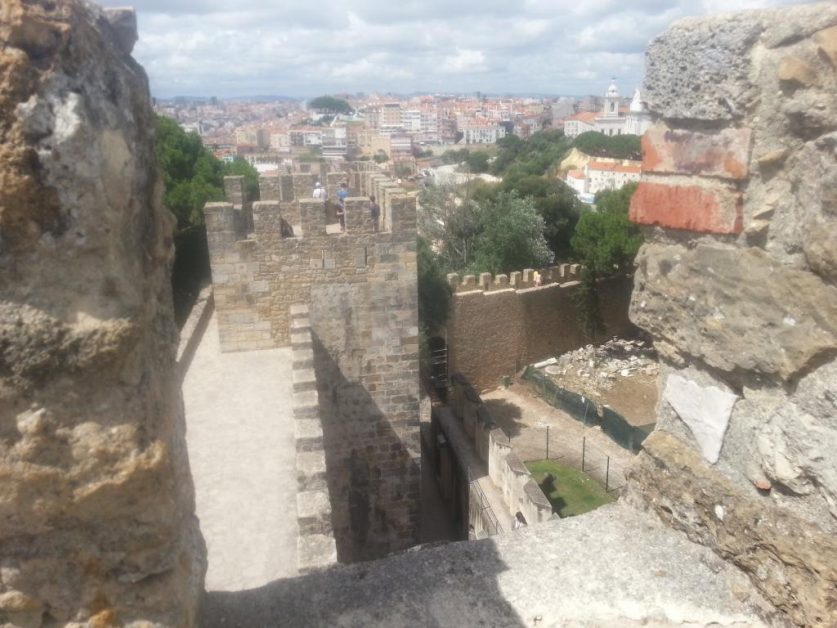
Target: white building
{"points": [[482, 132], [596, 176], [611, 121]]}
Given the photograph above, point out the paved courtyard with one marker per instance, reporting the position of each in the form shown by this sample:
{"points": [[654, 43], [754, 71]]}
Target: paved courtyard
{"points": [[239, 431]]}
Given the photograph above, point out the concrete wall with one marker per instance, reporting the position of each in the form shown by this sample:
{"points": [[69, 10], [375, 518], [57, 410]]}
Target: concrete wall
{"points": [[360, 288], [737, 282], [498, 325]]}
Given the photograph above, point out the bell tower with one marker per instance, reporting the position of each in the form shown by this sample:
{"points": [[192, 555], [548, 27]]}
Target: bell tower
{"points": [[611, 101]]}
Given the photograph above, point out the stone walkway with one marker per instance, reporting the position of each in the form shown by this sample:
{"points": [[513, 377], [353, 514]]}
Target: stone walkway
{"points": [[239, 431]]}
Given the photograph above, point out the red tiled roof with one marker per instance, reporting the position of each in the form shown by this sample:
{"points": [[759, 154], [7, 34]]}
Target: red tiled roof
{"points": [[584, 116], [604, 166]]}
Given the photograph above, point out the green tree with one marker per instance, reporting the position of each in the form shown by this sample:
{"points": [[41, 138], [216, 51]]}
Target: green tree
{"points": [[434, 294], [450, 219], [240, 167], [433, 288], [606, 243], [330, 104], [614, 146], [477, 161], [192, 174], [511, 236]]}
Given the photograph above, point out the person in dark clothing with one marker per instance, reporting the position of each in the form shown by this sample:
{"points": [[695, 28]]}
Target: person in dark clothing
{"points": [[374, 213]]}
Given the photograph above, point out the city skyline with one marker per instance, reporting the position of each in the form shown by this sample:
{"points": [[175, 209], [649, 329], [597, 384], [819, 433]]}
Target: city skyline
{"points": [[207, 48]]}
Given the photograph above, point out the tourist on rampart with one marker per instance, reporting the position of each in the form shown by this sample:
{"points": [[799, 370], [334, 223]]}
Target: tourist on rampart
{"points": [[319, 190], [342, 195], [374, 213]]}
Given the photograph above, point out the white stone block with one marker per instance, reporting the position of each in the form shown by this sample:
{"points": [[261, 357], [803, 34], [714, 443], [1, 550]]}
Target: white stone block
{"points": [[705, 409]]}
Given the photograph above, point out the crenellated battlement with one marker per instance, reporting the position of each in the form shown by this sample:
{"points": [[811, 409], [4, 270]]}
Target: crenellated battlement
{"points": [[267, 255], [518, 280]]}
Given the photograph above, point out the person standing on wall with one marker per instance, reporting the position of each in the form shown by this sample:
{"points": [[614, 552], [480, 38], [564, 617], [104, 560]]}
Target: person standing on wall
{"points": [[374, 213], [319, 190], [342, 195]]}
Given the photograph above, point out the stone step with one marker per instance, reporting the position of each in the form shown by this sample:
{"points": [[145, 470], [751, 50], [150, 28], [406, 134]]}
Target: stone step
{"points": [[304, 379], [301, 340], [299, 311]]}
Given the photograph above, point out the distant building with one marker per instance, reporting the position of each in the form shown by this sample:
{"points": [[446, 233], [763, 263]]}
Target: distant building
{"points": [[611, 121], [482, 132], [596, 176]]}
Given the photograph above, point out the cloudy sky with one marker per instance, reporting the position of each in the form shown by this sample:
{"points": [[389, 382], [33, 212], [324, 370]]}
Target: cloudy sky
{"points": [[305, 48]]}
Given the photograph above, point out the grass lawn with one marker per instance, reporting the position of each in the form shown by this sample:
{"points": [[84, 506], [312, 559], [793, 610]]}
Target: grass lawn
{"points": [[573, 492]]}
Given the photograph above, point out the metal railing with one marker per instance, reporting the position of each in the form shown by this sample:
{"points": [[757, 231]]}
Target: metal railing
{"points": [[483, 511]]}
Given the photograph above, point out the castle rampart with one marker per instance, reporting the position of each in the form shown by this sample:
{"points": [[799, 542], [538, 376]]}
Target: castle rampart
{"points": [[498, 325], [360, 288]]}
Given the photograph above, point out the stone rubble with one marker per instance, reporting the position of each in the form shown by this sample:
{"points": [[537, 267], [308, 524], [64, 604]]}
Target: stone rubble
{"points": [[595, 369]]}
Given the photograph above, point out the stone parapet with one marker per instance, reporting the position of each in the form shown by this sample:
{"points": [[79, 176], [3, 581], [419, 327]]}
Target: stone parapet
{"points": [[737, 283], [316, 548]]}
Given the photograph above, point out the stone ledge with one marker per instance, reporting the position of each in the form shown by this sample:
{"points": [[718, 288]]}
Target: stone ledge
{"points": [[304, 380], [306, 404], [614, 566], [315, 552]]}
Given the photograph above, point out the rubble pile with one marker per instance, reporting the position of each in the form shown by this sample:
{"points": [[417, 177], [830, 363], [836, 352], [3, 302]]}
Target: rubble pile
{"points": [[597, 368]]}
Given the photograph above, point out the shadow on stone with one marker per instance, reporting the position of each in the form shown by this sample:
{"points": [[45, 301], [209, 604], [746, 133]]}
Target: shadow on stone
{"points": [[444, 585], [506, 414], [373, 478]]}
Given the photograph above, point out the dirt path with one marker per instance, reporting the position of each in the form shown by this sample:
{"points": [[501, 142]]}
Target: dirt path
{"points": [[525, 418]]}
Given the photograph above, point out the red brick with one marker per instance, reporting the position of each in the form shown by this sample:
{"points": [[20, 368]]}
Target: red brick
{"points": [[676, 151], [690, 207]]}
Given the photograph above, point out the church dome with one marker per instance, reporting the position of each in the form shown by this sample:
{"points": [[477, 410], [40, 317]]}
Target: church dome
{"points": [[637, 106], [612, 91]]}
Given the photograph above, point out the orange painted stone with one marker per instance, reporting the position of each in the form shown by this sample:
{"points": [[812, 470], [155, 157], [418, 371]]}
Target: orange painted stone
{"points": [[723, 153], [712, 209]]}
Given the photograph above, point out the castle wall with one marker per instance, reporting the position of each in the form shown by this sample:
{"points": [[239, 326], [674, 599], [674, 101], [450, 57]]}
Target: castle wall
{"points": [[737, 282], [360, 287], [97, 512], [498, 325]]}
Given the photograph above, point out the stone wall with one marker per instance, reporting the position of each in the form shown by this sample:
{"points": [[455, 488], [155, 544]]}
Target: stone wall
{"points": [[360, 287], [316, 547], [508, 473], [737, 282], [498, 325], [97, 523]]}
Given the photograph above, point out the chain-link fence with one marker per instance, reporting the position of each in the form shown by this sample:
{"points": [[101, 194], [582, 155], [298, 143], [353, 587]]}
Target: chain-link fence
{"points": [[579, 452], [583, 409]]}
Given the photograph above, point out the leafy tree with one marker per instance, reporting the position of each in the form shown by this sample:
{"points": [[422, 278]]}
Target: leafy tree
{"points": [[450, 220], [511, 236], [534, 156], [606, 243], [614, 146], [477, 161], [192, 174], [433, 289], [330, 104], [455, 156], [240, 167], [380, 157]]}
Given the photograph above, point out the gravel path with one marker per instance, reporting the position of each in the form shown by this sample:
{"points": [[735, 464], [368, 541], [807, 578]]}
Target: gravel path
{"points": [[525, 417]]}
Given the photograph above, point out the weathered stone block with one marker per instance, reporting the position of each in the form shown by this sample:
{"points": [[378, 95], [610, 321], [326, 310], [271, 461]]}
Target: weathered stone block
{"points": [[722, 153], [706, 209], [793, 562], [794, 71], [826, 41], [734, 309]]}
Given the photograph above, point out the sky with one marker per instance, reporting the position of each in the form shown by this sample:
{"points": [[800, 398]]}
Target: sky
{"points": [[304, 48]]}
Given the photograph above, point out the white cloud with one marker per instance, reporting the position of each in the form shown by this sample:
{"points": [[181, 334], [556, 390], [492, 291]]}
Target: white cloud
{"points": [[304, 48]]}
